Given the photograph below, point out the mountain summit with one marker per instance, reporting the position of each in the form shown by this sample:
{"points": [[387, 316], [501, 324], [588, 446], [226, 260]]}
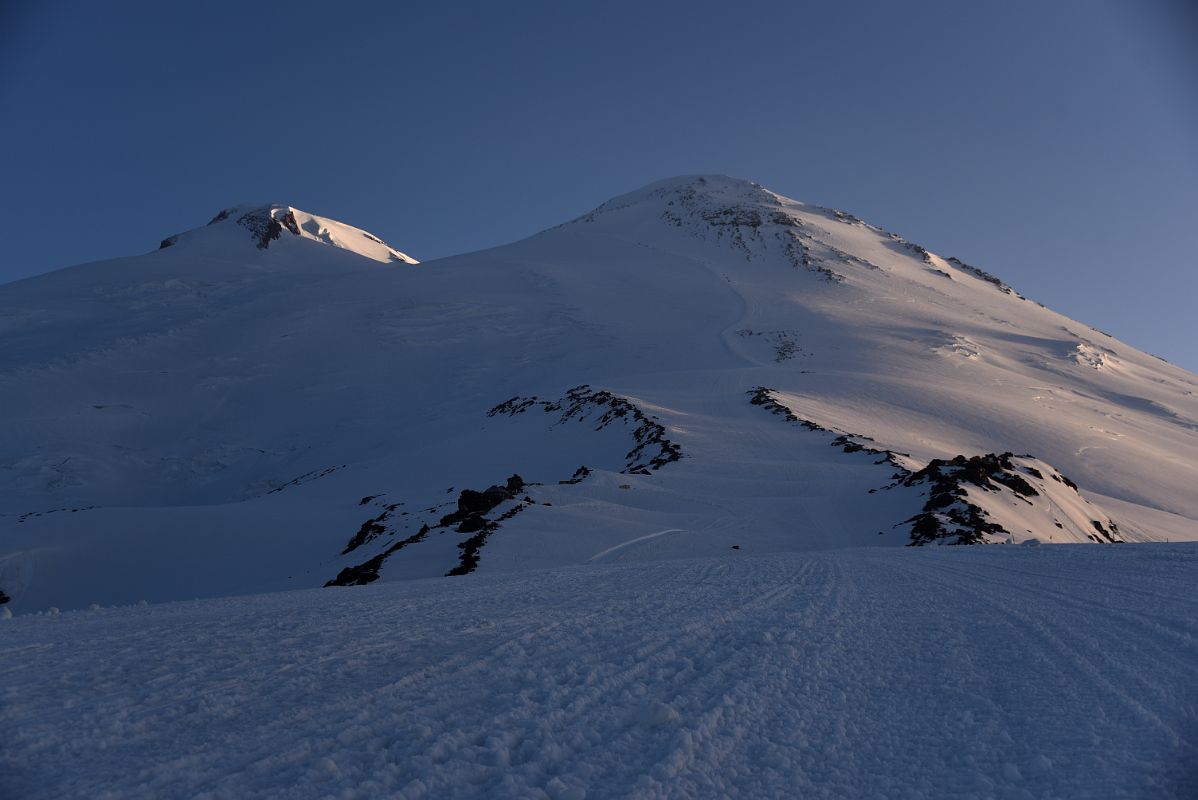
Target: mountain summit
{"points": [[698, 367], [264, 224]]}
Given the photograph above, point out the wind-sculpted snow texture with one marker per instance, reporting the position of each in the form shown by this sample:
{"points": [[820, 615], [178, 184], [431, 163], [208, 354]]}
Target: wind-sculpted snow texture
{"points": [[275, 398], [985, 672]]}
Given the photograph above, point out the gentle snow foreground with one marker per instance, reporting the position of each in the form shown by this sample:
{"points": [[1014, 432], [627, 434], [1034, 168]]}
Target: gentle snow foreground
{"points": [[1012, 672]]}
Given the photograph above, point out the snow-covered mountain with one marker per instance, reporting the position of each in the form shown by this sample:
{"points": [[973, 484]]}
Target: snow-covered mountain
{"points": [[277, 400]]}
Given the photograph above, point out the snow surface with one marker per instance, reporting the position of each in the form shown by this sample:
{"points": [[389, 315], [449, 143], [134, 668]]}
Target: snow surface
{"points": [[995, 672], [215, 418]]}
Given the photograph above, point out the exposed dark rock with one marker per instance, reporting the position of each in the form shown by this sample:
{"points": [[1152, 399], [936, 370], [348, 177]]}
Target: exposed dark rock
{"points": [[923, 254], [470, 517], [474, 504], [368, 571], [578, 476], [472, 523], [307, 476], [799, 255], [848, 442], [947, 514], [982, 471], [761, 396], [33, 514], [750, 222], [735, 215], [168, 241], [1057, 476], [983, 275], [784, 342], [653, 449], [4, 598], [785, 350], [469, 557], [1111, 536], [266, 227], [371, 529], [361, 574]]}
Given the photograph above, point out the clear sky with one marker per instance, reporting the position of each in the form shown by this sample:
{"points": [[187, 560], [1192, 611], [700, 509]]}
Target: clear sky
{"points": [[1054, 144]]}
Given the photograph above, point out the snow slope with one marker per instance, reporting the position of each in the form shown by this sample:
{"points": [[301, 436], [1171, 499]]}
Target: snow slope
{"points": [[732, 369], [999, 672]]}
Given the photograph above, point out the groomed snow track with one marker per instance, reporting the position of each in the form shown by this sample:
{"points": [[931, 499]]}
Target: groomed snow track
{"points": [[1014, 672]]}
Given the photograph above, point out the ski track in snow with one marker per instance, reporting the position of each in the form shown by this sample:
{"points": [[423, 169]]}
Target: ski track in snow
{"points": [[1013, 672], [616, 548]]}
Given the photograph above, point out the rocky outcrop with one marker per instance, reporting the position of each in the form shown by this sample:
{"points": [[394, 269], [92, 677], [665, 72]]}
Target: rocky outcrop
{"points": [[653, 449], [368, 571], [848, 442], [268, 223], [470, 516], [948, 517], [988, 498], [371, 529], [474, 509], [474, 505], [469, 556], [985, 276], [315, 474], [954, 514]]}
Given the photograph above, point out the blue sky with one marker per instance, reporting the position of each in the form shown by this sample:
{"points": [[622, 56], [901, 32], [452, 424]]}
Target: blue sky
{"points": [[1053, 144]]}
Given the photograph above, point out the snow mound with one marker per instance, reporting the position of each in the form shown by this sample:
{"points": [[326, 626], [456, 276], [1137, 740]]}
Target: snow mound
{"points": [[268, 223]]}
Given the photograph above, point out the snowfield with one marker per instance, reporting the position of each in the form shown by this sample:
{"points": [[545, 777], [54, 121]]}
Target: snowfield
{"points": [[1005, 671]]}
